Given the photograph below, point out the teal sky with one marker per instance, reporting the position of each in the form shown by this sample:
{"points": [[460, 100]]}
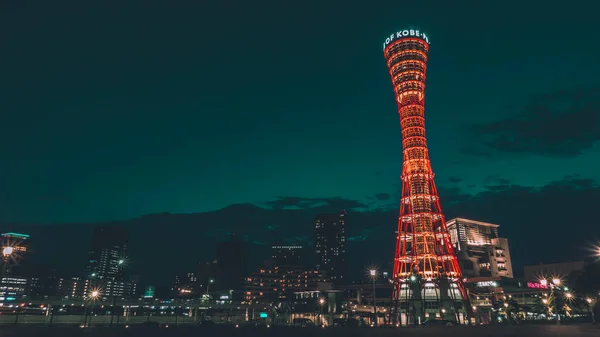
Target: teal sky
{"points": [[113, 110]]}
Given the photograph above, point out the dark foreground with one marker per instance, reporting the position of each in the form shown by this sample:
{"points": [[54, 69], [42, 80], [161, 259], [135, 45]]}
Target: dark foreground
{"points": [[479, 331]]}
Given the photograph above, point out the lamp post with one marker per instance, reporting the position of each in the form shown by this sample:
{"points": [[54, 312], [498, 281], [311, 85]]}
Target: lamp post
{"points": [[93, 296], [589, 304], [554, 284], [210, 281], [373, 275], [321, 304], [120, 265]]}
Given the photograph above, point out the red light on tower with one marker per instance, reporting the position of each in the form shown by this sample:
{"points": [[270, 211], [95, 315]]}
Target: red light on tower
{"points": [[427, 278]]}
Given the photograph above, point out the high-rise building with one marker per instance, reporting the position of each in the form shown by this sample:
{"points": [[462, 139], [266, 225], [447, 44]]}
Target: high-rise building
{"points": [[15, 252], [107, 256], [481, 252], [283, 255], [14, 280], [186, 285], [108, 253], [330, 246], [427, 278], [231, 264]]}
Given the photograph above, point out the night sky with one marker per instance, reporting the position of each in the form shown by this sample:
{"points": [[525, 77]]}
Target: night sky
{"points": [[117, 109]]}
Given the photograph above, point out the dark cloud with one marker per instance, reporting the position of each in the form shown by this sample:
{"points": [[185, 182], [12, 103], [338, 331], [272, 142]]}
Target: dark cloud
{"points": [[455, 180], [495, 180], [552, 223], [562, 124], [382, 196], [298, 203], [546, 224]]}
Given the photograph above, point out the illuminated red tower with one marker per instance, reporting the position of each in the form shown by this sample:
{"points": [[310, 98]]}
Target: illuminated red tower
{"points": [[427, 278]]}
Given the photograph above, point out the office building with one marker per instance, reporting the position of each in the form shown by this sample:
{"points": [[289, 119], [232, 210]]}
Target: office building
{"points": [[276, 283], [330, 246], [186, 285], [107, 257], [287, 255], [15, 253], [480, 250], [108, 253], [231, 264], [14, 281]]}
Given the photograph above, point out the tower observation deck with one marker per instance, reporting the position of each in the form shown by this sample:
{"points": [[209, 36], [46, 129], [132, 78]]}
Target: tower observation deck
{"points": [[427, 278]]}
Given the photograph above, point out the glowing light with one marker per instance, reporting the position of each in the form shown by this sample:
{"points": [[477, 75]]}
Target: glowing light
{"points": [[545, 301], [423, 246], [94, 294], [589, 300], [321, 301], [556, 281], [544, 282], [6, 251], [506, 305]]}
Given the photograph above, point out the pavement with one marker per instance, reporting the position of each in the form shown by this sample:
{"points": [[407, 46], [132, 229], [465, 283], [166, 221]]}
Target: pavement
{"points": [[183, 331]]}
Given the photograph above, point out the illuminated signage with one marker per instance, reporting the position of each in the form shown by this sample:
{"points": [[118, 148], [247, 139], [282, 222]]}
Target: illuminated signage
{"points": [[263, 315], [536, 285], [405, 33], [149, 292], [486, 284]]}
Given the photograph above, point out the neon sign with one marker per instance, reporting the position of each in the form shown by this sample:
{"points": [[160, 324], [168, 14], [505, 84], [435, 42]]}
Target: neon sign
{"points": [[536, 285], [405, 33]]}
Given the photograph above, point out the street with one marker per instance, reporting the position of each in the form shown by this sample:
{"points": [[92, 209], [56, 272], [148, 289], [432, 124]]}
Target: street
{"points": [[489, 330]]}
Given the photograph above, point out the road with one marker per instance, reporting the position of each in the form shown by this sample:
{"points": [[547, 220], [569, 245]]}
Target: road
{"points": [[481, 331]]}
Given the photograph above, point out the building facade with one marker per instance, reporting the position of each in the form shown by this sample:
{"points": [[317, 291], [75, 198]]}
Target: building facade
{"points": [[231, 264], [330, 246], [106, 264], [480, 250], [285, 255]]}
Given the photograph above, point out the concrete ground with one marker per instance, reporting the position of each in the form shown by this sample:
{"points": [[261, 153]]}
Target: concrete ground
{"points": [[183, 331]]}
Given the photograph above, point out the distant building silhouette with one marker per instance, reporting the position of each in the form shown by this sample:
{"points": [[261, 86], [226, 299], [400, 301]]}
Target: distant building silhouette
{"points": [[106, 264], [330, 246], [286, 255], [231, 264]]}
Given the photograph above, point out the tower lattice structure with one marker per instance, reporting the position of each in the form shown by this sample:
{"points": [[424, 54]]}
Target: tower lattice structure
{"points": [[427, 277]]}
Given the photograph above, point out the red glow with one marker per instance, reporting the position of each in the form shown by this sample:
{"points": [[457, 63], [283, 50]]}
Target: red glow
{"points": [[423, 244], [536, 285]]}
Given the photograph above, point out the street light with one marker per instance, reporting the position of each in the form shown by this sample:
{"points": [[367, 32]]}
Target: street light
{"points": [[7, 251], [321, 304], [555, 283], [93, 296], [589, 302], [373, 275], [210, 281]]}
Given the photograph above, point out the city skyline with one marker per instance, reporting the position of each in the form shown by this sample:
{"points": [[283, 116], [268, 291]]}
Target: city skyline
{"points": [[106, 126]]}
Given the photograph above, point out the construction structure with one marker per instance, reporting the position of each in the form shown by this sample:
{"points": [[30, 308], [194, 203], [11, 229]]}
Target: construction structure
{"points": [[427, 278]]}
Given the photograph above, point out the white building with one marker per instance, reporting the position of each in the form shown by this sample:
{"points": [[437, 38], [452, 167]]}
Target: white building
{"points": [[481, 252]]}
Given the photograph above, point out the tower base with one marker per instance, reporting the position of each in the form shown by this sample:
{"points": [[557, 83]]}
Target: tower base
{"points": [[417, 300]]}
